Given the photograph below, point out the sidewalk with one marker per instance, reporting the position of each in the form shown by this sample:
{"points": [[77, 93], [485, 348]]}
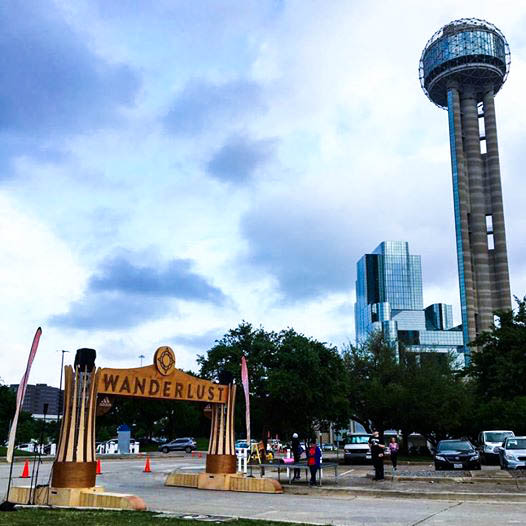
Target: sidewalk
{"points": [[487, 485]]}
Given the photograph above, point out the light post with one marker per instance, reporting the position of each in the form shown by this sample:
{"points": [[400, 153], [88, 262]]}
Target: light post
{"points": [[60, 384], [141, 357]]}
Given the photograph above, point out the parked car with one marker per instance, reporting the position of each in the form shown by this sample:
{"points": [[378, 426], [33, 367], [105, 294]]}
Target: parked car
{"points": [[512, 453], [29, 447], [488, 441], [328, 447], [179, 444], [456, 454], [357, 448]]}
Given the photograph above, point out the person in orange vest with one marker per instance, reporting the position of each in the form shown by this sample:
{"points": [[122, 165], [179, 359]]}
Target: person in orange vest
{"points": [[313, 460]]}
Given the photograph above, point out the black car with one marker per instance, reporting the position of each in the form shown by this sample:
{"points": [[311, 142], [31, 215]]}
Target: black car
{"points": [[456, 454], [179, 444]]}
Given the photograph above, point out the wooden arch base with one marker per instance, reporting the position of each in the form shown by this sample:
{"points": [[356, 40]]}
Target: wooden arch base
{"points": [[75, 497], [224, 482]]}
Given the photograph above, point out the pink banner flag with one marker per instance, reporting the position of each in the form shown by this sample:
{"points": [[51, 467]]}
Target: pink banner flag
{"points": [[244, 381], [20, 395]]}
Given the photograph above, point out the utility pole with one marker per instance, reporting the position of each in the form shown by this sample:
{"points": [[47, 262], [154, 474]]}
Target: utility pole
{"points": [[60, 385]]}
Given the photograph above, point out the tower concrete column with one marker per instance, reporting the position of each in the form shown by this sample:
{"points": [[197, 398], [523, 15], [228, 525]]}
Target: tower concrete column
{"points": [[502, 299], [477, 214], [461, 204]]}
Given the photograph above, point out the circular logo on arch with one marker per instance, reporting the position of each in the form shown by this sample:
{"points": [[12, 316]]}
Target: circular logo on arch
{"points": [[164, 360]]}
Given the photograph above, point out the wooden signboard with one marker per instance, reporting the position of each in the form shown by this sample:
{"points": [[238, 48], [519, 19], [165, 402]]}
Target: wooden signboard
{"points": [[161, 381]]}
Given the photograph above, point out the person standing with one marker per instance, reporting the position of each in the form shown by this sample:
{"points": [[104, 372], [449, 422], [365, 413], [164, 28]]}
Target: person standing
{"points": [[393, 449], [296, 453], [377, 455], [313, 461]]}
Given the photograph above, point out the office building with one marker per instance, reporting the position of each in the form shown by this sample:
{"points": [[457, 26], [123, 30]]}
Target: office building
{"points": [[38, 395], [389, 298], [462, 68]]}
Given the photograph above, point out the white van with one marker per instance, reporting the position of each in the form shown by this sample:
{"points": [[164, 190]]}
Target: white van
{"points": [[357, 448], [488, 441]]}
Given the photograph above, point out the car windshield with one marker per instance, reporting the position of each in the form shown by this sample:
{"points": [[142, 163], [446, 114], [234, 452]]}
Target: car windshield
{"points": [[496, 437], [363, 439], [516, 443], [456, 445]]}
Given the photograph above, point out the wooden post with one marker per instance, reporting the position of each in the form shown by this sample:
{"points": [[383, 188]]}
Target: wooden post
{"points": [[75, 465], [221, 456]]}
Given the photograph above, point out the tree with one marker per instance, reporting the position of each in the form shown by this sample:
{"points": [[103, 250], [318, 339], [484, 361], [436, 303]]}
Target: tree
{"points": [[498, 370], [296, 382], [498, 366], [7, 410], [154, 418], [375, 383], [401, 390]]}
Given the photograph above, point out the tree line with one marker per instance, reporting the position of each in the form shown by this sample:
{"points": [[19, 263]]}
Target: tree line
{"points": [[299, 384]]}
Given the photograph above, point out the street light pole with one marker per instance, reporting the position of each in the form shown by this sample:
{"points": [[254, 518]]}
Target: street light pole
{"points": [[60, 384], [141, 357]]}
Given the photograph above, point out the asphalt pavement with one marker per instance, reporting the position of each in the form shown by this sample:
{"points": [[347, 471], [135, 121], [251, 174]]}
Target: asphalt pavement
{"points": [[317, 506]]}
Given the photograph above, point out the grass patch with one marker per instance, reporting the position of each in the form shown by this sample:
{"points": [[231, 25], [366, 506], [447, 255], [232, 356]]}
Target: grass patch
{"points": [[3, 452], [55, 517], [202, 444], [148, 448], [414, 458]]}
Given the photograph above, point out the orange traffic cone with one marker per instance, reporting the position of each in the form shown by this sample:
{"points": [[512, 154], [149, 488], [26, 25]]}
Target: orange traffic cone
{"points": [[199, 455], [25, 472], [99, 471], [147, 466]]}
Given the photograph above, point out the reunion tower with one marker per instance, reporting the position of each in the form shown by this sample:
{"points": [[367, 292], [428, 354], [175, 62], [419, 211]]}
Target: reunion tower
{"points": [[462, 67]]}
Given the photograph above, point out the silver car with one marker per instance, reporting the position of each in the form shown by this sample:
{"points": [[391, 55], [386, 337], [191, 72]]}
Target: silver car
{"points": [[512, 453]]}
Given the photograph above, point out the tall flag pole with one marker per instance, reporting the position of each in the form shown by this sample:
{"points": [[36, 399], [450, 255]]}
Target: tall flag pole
{"points": [[20, 395], [244, 381]]}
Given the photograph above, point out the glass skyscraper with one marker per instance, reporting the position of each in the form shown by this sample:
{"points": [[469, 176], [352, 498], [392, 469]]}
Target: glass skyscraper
{"points": [[389, 298]]}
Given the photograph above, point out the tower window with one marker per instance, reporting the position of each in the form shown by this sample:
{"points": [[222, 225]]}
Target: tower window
{"points": [[491, 242], [489, 224]]}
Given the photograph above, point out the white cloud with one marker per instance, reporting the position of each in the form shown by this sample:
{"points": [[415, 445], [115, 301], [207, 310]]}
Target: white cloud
{"points": [[360, 156]]}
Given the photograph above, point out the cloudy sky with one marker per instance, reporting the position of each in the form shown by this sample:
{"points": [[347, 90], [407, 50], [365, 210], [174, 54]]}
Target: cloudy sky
{"points": [[170, 168]]}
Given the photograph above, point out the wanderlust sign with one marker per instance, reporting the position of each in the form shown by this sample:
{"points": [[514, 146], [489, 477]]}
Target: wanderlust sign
{"points": [[160, 380]]}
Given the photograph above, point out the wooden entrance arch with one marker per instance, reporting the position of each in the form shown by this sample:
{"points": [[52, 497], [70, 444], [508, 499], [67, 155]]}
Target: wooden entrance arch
{"points": [[75, 465], [88, 388]]}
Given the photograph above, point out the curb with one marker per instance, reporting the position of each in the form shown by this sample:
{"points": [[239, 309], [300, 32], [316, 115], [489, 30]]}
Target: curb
{"points": [[509, 480], [464, 480], [130, 456], [397, 494]]}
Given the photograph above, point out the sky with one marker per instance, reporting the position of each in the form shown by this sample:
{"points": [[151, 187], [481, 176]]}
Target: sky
{"points": [[169, 169]]}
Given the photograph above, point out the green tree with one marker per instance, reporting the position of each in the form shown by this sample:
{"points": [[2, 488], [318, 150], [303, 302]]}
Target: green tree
{"points": [[7, 410], [296, 382], [404, 391], [153, 418], [375, 383], [498, 365], [498, 370]]}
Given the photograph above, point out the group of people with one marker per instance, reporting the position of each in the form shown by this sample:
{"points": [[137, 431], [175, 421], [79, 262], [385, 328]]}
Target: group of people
{"points": [[378, 452], [313, 454]]}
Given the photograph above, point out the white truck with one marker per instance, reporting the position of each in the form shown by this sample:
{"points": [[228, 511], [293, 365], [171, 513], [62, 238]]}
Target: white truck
{"points": [[357, 448]]}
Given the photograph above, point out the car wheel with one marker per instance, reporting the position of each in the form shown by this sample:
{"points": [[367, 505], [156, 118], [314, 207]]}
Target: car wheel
{"points": [[165, 450], [188, 449], [437, 467], [477, 467]]}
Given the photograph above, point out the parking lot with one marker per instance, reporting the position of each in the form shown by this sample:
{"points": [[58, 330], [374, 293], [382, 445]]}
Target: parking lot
{"points": [[419, 504]]}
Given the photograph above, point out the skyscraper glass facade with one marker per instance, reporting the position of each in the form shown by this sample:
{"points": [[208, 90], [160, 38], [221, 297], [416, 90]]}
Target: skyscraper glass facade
{"points": [[389, 298]]}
